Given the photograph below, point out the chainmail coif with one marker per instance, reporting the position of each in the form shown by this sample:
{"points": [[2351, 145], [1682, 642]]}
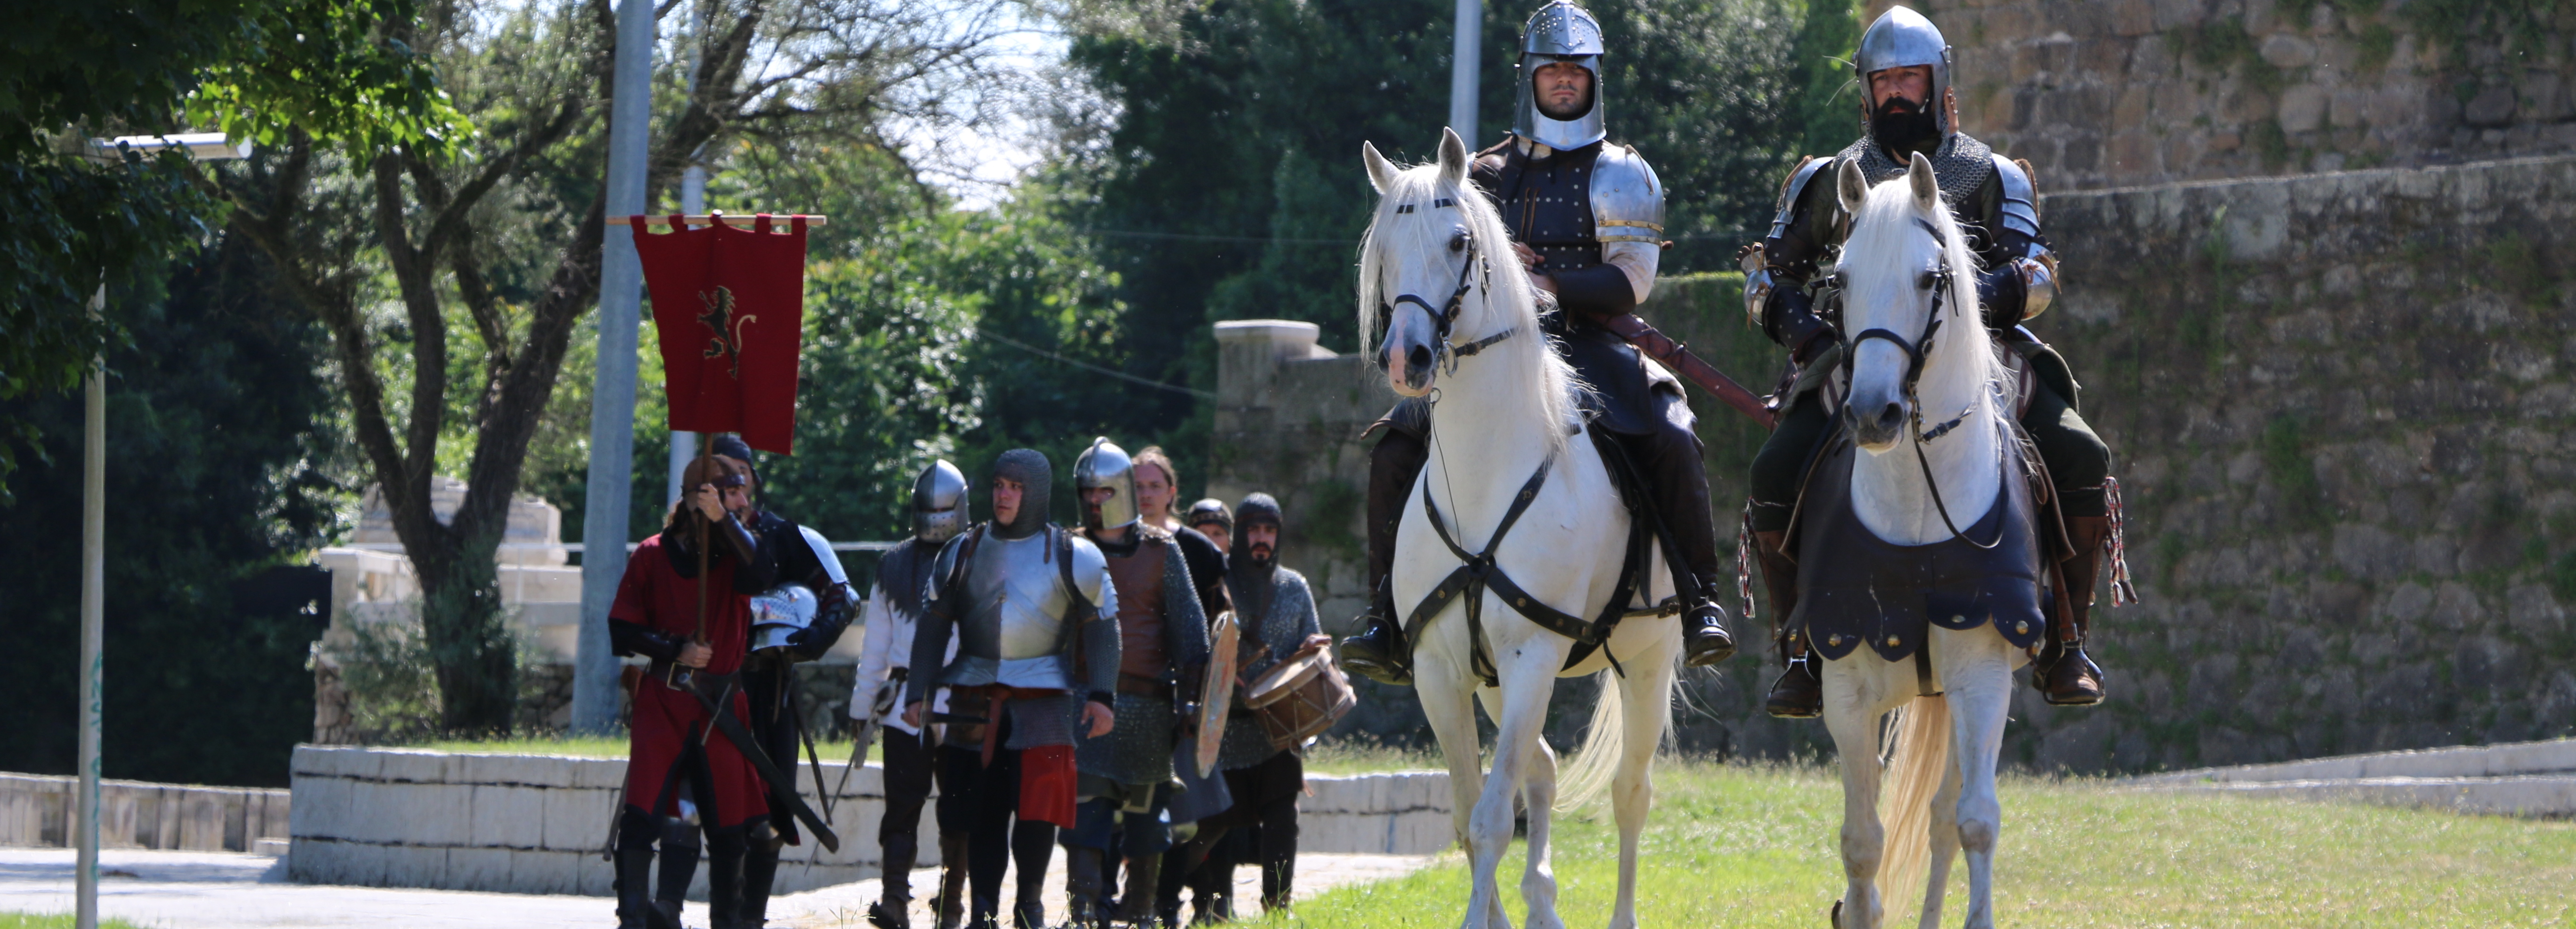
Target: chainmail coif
{"points": [[1030, 469]]}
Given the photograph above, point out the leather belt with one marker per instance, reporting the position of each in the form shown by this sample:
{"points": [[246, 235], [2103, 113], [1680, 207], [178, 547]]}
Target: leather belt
{"points": [[1143, 686]]}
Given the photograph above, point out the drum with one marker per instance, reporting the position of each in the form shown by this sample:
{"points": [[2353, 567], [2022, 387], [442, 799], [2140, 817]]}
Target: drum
{"points": [[1300, 697]]}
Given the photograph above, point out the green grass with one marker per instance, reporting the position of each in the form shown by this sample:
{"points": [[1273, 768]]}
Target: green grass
{"points": [[53, 921], [1752, 847]]}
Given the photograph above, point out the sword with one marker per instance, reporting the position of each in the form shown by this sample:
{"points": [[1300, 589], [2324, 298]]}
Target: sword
{"points": [[734, 732], [1678, 357], [878, 707]]}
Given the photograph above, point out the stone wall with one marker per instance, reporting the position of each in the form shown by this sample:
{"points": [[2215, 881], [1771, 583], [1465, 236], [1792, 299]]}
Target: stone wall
{"points": [[536, 824], [2109, 93], [2339, 407], [38, 810]]}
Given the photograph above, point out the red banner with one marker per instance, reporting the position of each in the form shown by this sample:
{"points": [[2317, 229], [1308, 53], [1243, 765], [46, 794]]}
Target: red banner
{"points": [[729, 305]]}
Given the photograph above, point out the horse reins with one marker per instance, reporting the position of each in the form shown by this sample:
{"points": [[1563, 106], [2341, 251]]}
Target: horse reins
{"points": [[1938, 281]]}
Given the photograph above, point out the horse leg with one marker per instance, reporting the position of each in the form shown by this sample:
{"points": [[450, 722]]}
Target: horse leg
{"points": [[1980, 686], [1447, 696], [1538, 872], [1852, 718], [1528, 671], [1646, 693], [1945, 842]]}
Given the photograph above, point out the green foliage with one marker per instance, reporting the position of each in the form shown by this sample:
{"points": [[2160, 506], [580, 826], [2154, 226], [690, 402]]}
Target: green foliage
{"points": [[1829, 103], [2376, 44], [219, 450], [53, 921], [2294, 477]]}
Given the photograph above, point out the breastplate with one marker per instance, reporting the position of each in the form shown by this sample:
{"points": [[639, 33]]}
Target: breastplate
{"points": [[1140, 610], [1017, 603], [1547, 202]]}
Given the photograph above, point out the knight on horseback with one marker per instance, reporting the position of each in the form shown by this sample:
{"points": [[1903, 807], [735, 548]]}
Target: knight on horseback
{"points": [[1585, 215], [1909, 107]]}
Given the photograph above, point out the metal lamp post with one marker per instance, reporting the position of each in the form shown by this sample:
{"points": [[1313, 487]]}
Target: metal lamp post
{"points": [[203, 146]]}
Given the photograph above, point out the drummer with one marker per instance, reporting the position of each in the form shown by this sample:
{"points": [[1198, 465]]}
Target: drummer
{"points": [[1277, 614], [1124, 788]]}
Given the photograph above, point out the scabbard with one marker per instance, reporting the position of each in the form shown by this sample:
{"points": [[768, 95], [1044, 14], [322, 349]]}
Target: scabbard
{"points": [[740, 735], [1678, 357]]}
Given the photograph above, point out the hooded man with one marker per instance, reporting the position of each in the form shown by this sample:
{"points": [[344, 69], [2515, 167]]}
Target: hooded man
{"points": [[1909, 107], [1034, 614], [684, 603], [892, 614], [796, 620], [1126, 776], [1277, 614]]}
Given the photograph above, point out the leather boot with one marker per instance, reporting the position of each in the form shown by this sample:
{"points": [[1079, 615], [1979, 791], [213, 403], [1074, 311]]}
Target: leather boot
{"points": [[1032, 843], [1670, 464], [951, 902], [1144, 874], [1800, 692], [679, 868], [1082, 881], [987, 912], [1378, 650], [893, 909], [634, 887], [2068, 677], [1278, 883], [759, 874]]}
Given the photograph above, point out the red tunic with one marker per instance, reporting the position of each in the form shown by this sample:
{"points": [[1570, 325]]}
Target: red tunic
{"points": [[655, 596]]}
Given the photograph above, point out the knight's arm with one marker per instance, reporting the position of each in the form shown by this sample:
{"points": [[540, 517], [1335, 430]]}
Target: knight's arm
{"points": [[876, 640], [1184, 618], [1776, 278], [1099, 630], [1628, 218], [2020, 280], [940, 605]]}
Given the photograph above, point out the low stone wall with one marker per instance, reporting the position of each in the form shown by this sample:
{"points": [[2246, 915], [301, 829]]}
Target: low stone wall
{"points": [[38, 810], [537, 824], [2536, 779]]}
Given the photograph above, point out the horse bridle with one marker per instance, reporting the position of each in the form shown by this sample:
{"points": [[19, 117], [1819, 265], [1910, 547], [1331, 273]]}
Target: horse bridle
{"points": [[1444, 319], [1938, 280]]}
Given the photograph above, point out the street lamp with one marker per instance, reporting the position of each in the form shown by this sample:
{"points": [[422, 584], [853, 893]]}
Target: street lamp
{"points": [[201, 146]]}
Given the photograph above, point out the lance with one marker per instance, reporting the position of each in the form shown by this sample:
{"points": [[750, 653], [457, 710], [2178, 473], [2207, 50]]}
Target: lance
{"points": [[1678, 357]]}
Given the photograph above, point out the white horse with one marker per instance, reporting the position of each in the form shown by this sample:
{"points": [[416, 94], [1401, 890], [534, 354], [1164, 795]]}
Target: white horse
{"points": [[1462, 329], [1905, 248]]}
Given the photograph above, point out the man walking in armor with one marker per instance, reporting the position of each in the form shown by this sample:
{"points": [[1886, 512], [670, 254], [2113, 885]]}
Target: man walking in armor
{"points": [[811, 587], [1277, 613], [885, 658], [1163, 651], [687, 608], [1909, 107], [1585, 216], [1031, 607]]}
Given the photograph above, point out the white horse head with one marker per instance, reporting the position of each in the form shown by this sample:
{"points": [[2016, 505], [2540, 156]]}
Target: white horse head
{"points": [[1427, 276], [1910, 314]]}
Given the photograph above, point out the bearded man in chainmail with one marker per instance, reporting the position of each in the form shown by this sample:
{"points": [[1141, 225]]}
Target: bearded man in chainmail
{"points": [[1585, 216], [892, 614], [1909, 107], [1277, 613], [1034, 614], [1126, 776]]}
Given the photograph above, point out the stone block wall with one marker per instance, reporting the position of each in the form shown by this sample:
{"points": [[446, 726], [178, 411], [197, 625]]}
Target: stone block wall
{"points": [[2341, 408], [38, 810], [2111, 93], [536, 824]]}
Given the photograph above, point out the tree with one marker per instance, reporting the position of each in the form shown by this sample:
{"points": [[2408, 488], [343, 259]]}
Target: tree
{"points": [[508, 231], [77, 221]]}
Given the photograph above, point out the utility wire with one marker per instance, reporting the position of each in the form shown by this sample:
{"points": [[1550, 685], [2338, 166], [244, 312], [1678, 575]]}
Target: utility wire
{"points": [[1087, 366]]}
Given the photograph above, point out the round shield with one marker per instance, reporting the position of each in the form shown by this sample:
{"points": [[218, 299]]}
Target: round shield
{"points": [[1218, 695]]}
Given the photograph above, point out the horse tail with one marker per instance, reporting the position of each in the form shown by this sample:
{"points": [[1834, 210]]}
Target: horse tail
{"points": [[1586, 776], [1921, 760]]}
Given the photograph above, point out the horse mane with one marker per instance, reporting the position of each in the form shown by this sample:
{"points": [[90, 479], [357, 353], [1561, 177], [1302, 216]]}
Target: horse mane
{"points": [[1880, 235], [1421, 237]]}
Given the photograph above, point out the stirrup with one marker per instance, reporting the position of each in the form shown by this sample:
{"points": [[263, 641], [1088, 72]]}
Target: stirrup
{"points": [[1367, 654], [1700, 648], [2087, 672], [1794, 699]]}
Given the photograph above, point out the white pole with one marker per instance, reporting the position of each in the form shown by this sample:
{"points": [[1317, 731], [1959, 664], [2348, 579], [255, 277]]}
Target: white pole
{"points": [[612, 398], [93, 624], [1464, 60], [684, 444]]}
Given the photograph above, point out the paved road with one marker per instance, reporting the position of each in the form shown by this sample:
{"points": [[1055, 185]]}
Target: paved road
{"points": [[203, 890]]}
